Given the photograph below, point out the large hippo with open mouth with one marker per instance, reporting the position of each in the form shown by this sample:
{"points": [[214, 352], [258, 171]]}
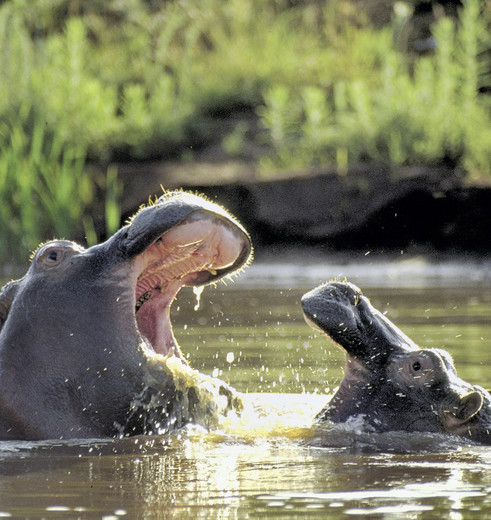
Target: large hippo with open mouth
{"points": [[86, 344], [390, 381]]}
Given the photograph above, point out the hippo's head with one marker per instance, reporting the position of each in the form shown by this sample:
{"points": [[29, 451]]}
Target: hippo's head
{"points": [[392, 383], [78, 329]]}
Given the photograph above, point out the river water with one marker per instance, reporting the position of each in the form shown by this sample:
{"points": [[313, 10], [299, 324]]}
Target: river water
{"points": [[270, 463]]}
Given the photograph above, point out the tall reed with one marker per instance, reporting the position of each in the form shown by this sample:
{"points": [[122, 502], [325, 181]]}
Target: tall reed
{"points": [[47, 192]]}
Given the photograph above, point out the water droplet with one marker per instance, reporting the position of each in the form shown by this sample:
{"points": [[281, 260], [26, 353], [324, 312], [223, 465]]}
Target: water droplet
{"points": [[197, 291], [230, 357]]}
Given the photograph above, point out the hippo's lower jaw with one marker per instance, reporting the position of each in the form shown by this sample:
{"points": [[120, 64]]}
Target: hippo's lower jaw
{"points": [[198, 250]]}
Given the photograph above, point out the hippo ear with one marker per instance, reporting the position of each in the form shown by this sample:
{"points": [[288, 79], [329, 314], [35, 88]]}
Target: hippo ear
{"points": [[7, 295], [466, 407]]}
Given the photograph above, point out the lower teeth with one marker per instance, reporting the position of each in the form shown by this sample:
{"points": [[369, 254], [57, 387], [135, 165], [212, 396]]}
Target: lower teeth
{"points": [[142, 299]]}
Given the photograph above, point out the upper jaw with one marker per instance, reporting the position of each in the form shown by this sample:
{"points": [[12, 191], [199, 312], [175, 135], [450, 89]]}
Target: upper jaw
{"points": [[170, 210]]}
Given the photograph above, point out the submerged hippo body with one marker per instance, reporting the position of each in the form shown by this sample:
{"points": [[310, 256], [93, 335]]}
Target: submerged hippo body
{"points": [[389, 381], [86, 344]]}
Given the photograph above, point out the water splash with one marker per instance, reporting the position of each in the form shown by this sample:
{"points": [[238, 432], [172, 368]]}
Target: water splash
{"points": [[198, 291], [272, 416]]}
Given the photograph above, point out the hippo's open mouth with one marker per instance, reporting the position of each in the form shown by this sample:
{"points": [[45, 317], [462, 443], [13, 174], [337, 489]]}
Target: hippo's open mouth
{"points": [[201, 248], [84, 331]]}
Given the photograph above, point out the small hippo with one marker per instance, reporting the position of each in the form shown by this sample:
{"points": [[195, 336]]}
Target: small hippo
{"points": [[86, 343], [390, 381]]}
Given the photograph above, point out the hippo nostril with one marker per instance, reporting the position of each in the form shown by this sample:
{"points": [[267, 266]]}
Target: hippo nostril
{"points": [[416, 366]]}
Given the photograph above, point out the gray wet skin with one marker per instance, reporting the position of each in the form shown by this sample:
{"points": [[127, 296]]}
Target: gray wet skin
{"points": [[78, 329], [388, 379]]}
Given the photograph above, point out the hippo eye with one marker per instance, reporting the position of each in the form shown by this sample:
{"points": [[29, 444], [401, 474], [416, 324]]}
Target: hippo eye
{"points": [[55, 253], [416, 366], [52, 257]]}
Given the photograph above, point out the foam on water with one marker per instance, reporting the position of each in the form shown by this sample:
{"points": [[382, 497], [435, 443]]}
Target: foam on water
{"points": [[274, 415]]}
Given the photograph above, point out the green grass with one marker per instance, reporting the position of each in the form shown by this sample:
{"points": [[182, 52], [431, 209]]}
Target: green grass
{"points": [[84, 83], [47, 191]]}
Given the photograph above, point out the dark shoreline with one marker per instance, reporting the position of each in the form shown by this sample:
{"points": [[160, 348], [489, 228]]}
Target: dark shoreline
{"points": [[370, 208]]}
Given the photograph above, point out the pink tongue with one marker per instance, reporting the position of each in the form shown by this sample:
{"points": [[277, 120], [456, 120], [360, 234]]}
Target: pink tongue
{"points": [[153, 320]]}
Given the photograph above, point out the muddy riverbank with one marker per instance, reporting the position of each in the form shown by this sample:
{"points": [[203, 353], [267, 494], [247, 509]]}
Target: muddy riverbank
{"points": [[369, 207]]}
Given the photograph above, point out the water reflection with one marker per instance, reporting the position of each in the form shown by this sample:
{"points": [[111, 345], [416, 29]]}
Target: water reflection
{"points": [[207, 477]]}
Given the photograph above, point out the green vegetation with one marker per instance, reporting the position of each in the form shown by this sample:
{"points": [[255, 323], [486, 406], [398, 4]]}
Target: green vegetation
{"points": [[85, 83], [48, 190], [425, 112]]}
